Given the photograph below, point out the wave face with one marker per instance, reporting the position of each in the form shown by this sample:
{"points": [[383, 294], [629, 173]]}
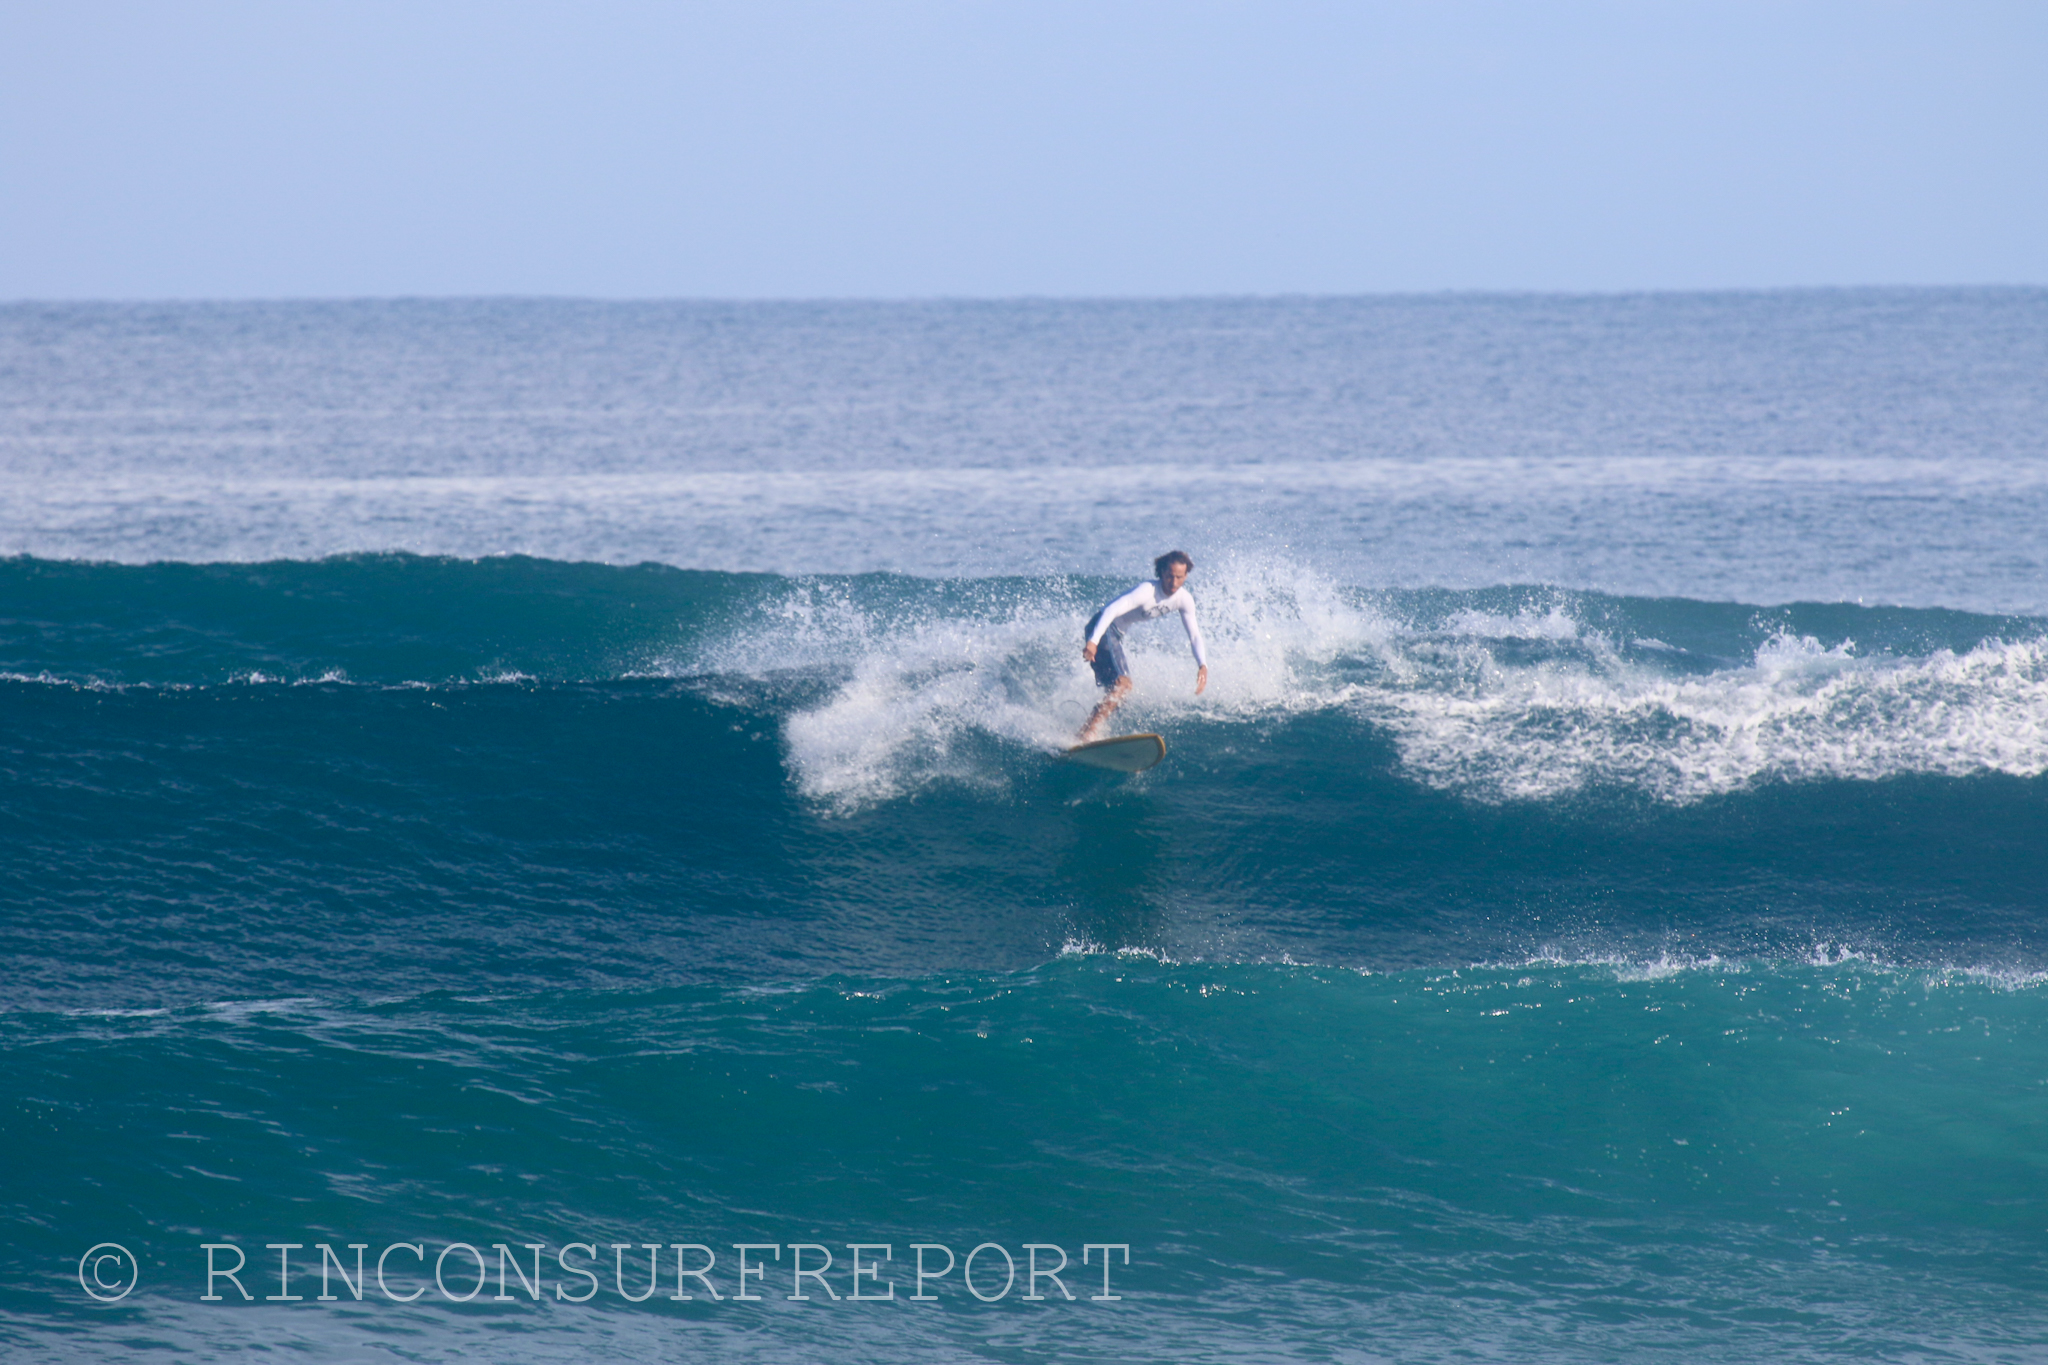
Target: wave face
{"points": [[1554, 973], [858, 770]]}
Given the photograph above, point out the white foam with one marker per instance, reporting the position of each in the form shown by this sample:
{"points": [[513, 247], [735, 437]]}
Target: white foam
{"points": [[938, 695], [928, 694], [1797, 711], [921, 702], [1666, 965], [1998, 978], [1553, 624], [90, 683]]}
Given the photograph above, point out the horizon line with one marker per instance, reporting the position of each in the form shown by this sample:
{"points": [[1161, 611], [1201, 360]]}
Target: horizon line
{"points": [[1277, 296]]}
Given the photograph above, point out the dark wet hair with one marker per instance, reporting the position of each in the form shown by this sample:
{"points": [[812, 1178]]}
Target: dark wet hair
{"points": [[1171, 558]]}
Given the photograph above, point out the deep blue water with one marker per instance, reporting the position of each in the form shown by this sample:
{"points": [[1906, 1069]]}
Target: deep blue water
{"points": [[1499, 967]]}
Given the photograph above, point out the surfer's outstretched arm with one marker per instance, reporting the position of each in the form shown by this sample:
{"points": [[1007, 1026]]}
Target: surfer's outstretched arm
{"points": [[1187, 619]]}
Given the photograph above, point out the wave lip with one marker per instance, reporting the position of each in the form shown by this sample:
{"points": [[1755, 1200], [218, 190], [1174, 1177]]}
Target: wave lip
{"points": [[1796, 711], [1530, 695], [881, 687]]}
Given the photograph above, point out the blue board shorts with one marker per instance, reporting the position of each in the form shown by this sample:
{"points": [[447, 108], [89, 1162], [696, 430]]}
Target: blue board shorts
{"points": [[1110, 661]]}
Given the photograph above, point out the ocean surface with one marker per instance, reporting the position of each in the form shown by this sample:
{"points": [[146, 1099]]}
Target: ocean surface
{"points": [[557, 797]]}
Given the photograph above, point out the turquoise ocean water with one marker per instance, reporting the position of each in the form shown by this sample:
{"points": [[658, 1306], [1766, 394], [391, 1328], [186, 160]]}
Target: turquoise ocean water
{"points": [[564, 795]]}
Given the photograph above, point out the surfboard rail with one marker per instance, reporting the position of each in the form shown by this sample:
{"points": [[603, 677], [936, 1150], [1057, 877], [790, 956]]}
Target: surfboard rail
{"points": [[1119, 753]]}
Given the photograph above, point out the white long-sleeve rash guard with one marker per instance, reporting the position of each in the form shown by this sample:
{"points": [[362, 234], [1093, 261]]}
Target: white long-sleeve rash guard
{"points": [[1146, 603]]}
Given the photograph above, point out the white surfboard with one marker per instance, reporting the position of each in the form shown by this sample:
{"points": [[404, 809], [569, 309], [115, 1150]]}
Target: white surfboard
{"points": [[1123, 754]]}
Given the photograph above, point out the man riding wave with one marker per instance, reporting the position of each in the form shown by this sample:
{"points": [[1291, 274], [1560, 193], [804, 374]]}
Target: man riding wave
{"points": [[1148, 601]]}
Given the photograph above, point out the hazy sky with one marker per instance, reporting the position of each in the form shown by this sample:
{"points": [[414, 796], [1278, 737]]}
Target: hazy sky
{"points": [[767, 149]]}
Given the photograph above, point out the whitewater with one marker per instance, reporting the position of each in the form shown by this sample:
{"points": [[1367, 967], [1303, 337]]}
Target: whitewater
{"points": [[582, 779]]}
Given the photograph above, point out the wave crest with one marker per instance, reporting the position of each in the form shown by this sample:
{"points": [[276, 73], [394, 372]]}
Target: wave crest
{"points": [[1797, 710], [1525, 700]]}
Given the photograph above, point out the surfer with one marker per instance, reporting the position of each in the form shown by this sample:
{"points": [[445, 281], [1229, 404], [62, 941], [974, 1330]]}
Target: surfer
{"points": [[1104, 649]]}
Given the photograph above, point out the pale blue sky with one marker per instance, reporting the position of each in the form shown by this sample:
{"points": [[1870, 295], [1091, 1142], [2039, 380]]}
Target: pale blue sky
{"points": [[764, 149]]}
